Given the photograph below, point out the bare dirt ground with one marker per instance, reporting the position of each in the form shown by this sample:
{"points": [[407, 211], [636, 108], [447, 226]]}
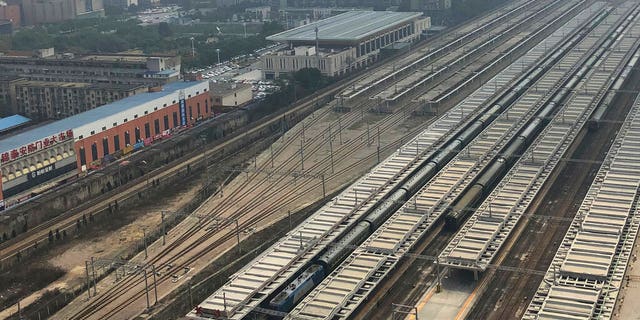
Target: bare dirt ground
{"points": [[105, 244]]}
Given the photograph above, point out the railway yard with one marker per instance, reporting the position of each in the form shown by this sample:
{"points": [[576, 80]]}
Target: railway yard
{"points": [[489, 173]]}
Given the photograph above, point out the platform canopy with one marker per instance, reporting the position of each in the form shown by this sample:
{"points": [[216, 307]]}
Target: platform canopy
{"points": [[352, 26]]}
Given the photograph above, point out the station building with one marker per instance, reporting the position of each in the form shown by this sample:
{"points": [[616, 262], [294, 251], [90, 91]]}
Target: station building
{"points": [[342, 43], [87, 140]]}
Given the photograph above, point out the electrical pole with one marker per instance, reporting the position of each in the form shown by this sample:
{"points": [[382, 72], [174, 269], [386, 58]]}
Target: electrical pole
{"points": [[144, 236], [289, 215], [146, 286], [331, 150], [93, 273], [340, 129], [238, 236], [164, 233], [378, 151], [302, 154], [86, 271], [155, 285], [439, 285]]}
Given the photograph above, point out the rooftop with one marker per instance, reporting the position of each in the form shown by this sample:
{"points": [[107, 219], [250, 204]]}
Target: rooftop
{"points": [[84, 85], [225, 88], [86, 117], [348, 26], [12, 122]]}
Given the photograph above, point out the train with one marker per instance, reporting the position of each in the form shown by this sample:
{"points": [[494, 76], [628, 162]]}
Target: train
{"points": [[456, 215], [597, 117], [293, 291]]}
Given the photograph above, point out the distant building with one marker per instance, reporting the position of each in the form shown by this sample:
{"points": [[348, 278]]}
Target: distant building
{"points": [[345, 42], [259, 13], [43, 100], [94, 68], [11, 12], [230, 95], [429, 5], [120, 3], [49, 11]]}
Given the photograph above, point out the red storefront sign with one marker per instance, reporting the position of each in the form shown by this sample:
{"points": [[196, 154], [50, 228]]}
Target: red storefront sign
{"points": [[35, 146]]}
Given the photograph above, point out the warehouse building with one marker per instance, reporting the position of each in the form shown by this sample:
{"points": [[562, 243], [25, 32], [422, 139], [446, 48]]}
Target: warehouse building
{"points": [[87, 140], [343, 42]]}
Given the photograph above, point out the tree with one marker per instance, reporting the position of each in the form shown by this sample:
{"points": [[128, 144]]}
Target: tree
{"points": [[164, 29], [309, 78]]}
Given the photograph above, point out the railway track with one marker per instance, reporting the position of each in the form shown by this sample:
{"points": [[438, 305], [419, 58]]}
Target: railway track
{"points": [[252, 206], [214, 213]]}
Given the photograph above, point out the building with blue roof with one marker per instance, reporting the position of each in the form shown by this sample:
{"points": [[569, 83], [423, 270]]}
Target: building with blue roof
{"points": [[12, 122], [87, 140]]}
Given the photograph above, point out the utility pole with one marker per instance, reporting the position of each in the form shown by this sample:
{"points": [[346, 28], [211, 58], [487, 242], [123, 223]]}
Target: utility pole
{"points": [[146, 286], [439, 285], [164, 233], [324, 193], [302, 154], [331, 150], [378, 151], [238, 236], [271, 150], [93, 273], [86, 271], [340, 129], [144, 236], [155, 284], [289, 216]]}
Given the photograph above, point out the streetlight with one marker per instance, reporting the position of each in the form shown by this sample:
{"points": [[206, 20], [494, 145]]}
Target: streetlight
{"points": [[218, 52], [193, 47]]}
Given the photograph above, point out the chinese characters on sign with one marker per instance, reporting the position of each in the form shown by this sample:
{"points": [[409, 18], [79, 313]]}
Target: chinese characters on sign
{"points": [[35, 146]]}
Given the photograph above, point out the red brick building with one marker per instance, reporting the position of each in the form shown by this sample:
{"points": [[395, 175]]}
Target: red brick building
{"points": [[98, 136]]}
